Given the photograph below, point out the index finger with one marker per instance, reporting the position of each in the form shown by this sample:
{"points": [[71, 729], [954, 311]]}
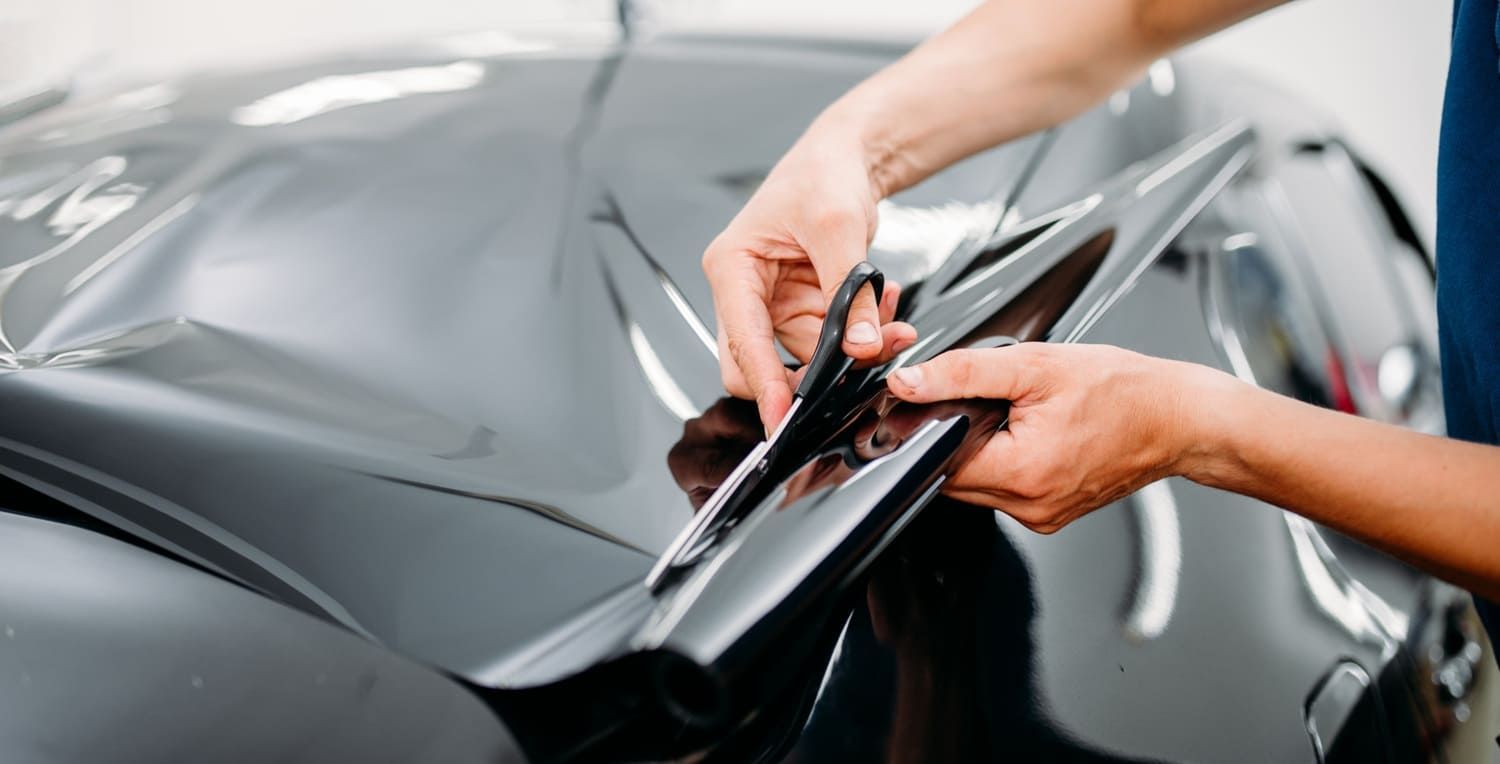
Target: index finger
{"points": [[747, 346]]}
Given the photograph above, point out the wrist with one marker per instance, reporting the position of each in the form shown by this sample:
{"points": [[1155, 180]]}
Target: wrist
{"points": [[855, 120], [1209, 406]]}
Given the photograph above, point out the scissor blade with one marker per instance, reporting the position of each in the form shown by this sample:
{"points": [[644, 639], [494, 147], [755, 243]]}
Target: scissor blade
{"points": [[779, 434], [752, 466]]}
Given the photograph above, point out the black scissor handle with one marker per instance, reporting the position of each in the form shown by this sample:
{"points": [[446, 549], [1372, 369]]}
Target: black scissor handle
{"points": [[828, 362]]}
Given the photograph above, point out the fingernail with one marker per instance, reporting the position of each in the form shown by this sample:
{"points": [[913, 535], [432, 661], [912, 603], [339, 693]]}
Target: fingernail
{"points": [[910, 376], [864, 333]]}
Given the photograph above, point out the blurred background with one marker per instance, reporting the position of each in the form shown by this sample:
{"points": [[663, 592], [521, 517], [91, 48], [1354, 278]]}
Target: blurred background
{"points": [[1377, 66]]}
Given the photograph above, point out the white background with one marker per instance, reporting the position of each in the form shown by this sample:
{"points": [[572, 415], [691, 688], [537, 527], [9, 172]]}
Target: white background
{"points": [[1376, 65]]}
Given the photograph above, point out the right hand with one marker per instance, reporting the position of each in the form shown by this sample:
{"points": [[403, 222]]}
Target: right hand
{"points": [[1088, 424], [777, 265]]}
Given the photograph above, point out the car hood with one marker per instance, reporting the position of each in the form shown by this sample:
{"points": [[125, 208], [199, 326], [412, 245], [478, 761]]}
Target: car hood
{"points": [[406, 343]]}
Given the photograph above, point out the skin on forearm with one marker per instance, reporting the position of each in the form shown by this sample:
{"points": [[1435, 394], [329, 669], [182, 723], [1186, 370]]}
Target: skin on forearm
{"points": [[1011, 67], [1432, 501]]}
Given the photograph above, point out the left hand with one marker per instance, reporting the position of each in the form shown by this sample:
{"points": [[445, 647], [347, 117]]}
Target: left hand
{"points": [[779, 263], [1089, 424]]}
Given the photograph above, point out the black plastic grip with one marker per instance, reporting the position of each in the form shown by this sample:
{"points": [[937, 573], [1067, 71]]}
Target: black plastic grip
{"points": [[828, 361]]}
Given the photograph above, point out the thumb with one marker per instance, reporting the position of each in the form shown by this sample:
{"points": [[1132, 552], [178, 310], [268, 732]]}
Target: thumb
{"points": [[837, 244], [1008, 373]]}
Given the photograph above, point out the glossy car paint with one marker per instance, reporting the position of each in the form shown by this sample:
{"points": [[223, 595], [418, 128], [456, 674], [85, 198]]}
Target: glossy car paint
{"points": [[413, 344], [113, 653]]}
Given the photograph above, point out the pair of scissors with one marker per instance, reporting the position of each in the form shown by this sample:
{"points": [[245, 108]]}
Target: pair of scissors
{"points": [[827, 367]]}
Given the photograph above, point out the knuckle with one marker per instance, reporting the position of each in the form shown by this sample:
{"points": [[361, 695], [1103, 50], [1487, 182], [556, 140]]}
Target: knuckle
{"points": [[1042, 357], [736, 344], [733, 382], [1040, 516], [832, 219], [1047, 528], [739, 350], [959, 369], [1029, 515], [1033, 350], [715, 254]]}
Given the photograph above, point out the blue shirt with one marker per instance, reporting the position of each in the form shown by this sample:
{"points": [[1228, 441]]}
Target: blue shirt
{"points": [[1468, 235]]}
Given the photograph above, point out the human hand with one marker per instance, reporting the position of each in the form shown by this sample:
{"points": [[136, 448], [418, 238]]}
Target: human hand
{"points": [[1089, 424], [777, 265]]}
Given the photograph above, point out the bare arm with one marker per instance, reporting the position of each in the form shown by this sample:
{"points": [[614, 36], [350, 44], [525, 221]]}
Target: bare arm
{"points": [[1090, 424], [1012, 67], [1009, 68], [1432, 501]]}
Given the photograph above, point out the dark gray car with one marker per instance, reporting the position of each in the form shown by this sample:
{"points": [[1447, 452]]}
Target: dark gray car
{"points": [[348, 408]]}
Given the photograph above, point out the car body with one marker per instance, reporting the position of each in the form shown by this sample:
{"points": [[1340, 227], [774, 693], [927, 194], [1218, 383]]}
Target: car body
{"points": [[348, 406]]}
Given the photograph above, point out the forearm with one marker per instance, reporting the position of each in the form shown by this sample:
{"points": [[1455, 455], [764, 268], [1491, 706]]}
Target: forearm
{"points": [[1430, 500], [1009, 68]]}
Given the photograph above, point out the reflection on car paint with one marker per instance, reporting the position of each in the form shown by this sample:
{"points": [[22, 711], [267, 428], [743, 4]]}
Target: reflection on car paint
{"points": [[1159, 546], [937, 660], [723, 623], [1338, 595], [80, 204], [400, 398], [341, 91]]}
